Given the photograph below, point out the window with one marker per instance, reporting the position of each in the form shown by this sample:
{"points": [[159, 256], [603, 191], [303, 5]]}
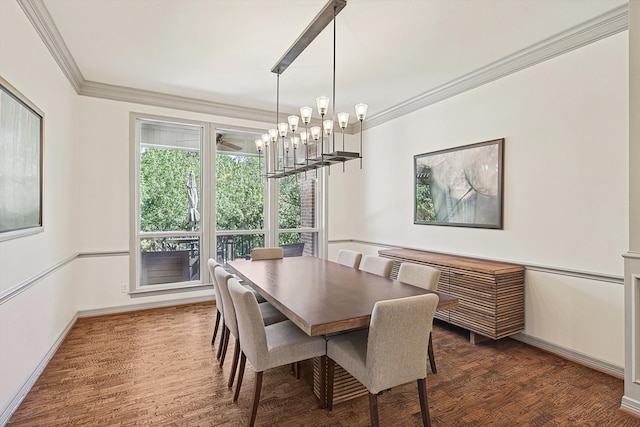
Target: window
{"points": [[193, 202], [254, 212], [240, 195], [168, 213], [297, 196]]}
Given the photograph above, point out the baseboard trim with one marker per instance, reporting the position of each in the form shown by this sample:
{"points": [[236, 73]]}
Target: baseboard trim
{"points": [[143, 306], [630, 405], [26, 387], [574, 356]]}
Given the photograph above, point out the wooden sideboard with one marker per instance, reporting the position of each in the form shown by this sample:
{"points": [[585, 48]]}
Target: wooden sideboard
{"points": [[490, 293]]}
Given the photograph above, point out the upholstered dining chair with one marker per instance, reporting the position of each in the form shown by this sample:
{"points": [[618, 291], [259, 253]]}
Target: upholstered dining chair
{"points": [[266, 253], [212, 264], [349, 258], [377, 265], [390, 353], [269, 346], [268, 313], [424, 277]]}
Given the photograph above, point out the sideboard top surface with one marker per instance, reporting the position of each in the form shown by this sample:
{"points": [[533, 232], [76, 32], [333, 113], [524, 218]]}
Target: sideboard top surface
{"points": [[467, 263]]}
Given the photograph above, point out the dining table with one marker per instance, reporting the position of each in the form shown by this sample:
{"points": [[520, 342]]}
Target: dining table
{"points": [[323, 297]]}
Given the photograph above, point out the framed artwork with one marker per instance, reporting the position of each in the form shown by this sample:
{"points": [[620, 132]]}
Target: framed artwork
{"points": [[460, 186], [21, 135]]}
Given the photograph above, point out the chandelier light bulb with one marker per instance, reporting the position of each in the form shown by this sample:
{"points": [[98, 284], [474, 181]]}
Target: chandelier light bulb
{"points": [[283, 128], [304, 137], [328, 127], [273, 135], [343, 120], [258, 143], [361, 111], [306, 112], [323, 104], [286, 145], [265, 139], [293, 123], [315, 133], [295, 141]]}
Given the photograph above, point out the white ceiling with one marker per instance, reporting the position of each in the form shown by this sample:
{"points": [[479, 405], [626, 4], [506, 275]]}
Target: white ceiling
{"points": [[222, 51]]}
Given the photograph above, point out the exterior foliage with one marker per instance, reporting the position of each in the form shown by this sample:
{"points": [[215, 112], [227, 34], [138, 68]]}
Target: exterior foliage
{"points": [[239, 193], [163, 188]]}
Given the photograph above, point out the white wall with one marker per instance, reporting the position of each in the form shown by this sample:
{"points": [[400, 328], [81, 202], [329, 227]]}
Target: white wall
{"points": [[565, 122], [32, 321], [105, 189]]}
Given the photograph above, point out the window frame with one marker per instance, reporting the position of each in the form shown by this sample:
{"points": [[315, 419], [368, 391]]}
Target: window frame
{"points": [[208, 233], [136, 235]]}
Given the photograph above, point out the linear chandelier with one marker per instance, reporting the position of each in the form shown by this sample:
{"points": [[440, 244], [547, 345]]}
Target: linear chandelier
{"points": [[277, 139]]}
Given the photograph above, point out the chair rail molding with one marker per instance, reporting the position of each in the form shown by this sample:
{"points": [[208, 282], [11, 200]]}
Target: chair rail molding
{"points": [[588, 275], [29, 282]]}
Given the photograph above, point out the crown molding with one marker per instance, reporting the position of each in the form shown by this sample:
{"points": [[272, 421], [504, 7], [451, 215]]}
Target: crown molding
{"points": [[42, 21], [600, 27], [158, 99]]}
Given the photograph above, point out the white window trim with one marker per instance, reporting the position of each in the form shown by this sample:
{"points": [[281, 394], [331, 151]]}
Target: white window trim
{"points": [[134, 219]]}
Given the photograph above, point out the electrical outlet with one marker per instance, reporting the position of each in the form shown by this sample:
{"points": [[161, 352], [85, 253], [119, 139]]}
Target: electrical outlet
{"points": [[125, 287]]}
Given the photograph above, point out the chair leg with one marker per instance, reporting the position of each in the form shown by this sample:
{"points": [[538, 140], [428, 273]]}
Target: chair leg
{"points": [[424, 405], [224, 328], [432, 358], [298, 370], [234, 365], [331, 365], [215, 327], [256, 398], [373, 409], [227, 334], [243, 361]]}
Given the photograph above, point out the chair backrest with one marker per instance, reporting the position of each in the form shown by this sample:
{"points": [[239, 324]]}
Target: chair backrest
{"points": [[398, 340], [212, 264], [349, 258], [293, 249], [250, 325], [377, 265], [229, 313], [422, 276], [266, 253]]}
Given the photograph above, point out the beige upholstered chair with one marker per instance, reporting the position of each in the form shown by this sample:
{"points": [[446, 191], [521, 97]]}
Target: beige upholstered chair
{"points": [[377, 265], [269, 346], [424, 277], [266, 253], [212, 264], [269, 315], [349, 258], [390, 353]]}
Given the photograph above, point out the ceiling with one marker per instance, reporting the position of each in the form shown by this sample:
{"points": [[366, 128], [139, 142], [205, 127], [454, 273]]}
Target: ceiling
{"points": [[222, 51]]}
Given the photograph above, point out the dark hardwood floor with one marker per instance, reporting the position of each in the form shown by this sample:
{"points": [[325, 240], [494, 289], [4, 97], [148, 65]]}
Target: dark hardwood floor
{"points": [[157, 367]]}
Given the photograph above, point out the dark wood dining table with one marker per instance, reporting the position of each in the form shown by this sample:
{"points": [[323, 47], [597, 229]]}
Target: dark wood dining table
{"points": [[323, 297]]}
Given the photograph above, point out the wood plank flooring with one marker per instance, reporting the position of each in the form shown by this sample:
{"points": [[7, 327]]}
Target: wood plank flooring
{"points": [[157, 367]]}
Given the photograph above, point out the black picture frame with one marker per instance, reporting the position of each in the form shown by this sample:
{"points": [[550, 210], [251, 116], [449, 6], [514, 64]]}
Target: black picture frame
{"points": [[21, 164], [461, 186]]}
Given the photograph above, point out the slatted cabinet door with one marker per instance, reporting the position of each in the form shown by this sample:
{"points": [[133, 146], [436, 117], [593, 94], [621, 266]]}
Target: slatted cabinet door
{"points": [[490, 293]]}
